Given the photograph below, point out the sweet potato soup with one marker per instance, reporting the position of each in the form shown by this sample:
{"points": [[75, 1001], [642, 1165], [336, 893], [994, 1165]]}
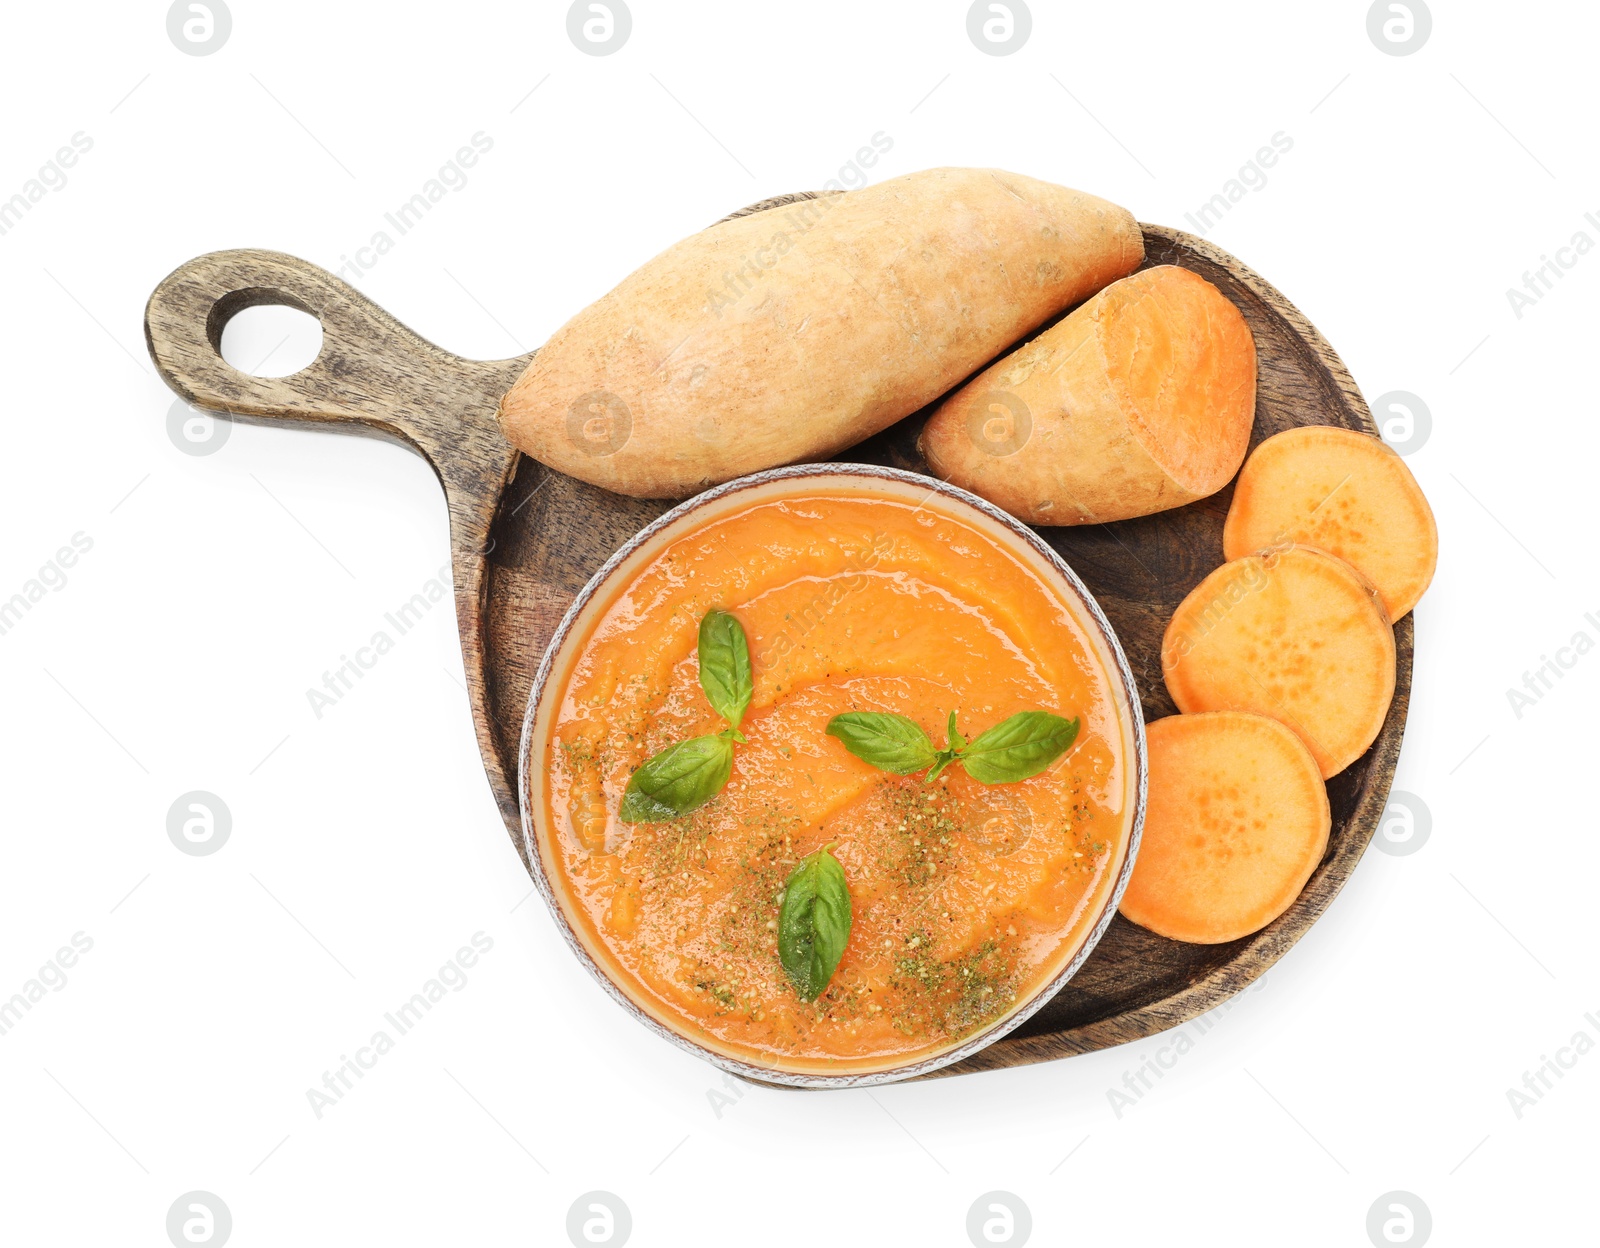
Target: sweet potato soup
{"points": [[966, 897]]}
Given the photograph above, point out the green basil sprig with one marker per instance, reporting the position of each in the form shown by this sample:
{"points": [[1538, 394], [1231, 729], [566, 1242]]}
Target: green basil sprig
{"points": [[889, 742], [725, 667], [685, 776], [1014, 749], [678, 779], [814, 922], [1019, 747]]}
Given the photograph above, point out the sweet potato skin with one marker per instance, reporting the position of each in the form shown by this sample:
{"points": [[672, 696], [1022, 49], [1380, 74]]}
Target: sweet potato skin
{"points": [[1140, 400], [792, 334], [1345, 492], [1236, 822], [1295, 634]]}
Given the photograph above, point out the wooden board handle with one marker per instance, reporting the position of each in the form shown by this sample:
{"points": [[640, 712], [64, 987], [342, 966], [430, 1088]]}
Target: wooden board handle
{"points": [[371, 369]]}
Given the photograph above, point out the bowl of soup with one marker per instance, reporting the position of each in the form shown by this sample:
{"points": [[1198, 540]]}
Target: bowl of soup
{"points": [[858, 588]]}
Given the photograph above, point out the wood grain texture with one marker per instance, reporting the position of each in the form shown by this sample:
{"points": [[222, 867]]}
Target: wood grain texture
{"points": [[525, 540]]}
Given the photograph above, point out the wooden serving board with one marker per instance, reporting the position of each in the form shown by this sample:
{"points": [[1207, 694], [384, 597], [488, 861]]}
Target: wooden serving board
{"points": [[525, 540]]}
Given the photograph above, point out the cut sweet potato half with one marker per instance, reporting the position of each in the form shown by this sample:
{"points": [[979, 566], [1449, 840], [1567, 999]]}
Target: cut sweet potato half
{"points": [[1345, 492], [1237, 821], [1142, 399], [1295, 634]]}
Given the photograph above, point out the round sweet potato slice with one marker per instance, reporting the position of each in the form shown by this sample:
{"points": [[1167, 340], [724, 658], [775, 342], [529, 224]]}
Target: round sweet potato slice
{"points": [[1236, 823], [1345, 492], [1295, 634]]}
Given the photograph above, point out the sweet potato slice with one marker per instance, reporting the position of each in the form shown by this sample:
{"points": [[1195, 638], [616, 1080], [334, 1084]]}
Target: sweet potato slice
{"points": [[1140, 400], [1236, 823], [1345, 492], [1293, 633]]}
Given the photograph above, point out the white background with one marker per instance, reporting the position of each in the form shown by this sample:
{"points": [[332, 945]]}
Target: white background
{"points": [[365, 847]]}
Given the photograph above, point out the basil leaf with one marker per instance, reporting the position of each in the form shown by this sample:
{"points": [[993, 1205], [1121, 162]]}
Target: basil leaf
{"points": [[1019, 747], [725, 665], [889, 742], [679, 779], [814, 923]]}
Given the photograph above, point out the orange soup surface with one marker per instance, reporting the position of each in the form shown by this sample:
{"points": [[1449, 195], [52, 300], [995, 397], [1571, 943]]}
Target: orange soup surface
{"points": [[965, 897]]}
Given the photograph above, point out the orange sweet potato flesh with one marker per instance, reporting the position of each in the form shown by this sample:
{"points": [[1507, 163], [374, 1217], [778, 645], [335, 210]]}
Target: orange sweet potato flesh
{"points": [[1345, 492], [1140, 400], [1295, 634], [1237, 821]]}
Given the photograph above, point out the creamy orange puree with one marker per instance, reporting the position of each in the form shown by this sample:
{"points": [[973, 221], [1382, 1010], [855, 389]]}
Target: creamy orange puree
{"points": [[966, 898]]}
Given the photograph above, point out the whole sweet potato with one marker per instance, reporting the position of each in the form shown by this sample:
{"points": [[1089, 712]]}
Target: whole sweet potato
{"points": [[791, 334]]}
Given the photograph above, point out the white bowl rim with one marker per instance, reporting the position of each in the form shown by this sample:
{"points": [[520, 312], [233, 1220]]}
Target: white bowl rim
{"points": [[1041, 995]]}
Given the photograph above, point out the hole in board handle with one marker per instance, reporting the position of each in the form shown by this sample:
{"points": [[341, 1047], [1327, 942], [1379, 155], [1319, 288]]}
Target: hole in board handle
{"points": [[269, 339]]}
